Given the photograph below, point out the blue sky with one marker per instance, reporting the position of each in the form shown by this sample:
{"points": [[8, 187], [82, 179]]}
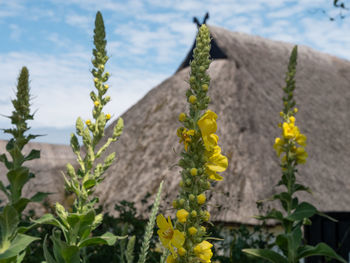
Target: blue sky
{"points": [[147, 41]]}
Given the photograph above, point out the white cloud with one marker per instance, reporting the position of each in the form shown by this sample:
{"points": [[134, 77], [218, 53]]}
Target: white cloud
{"points": [[61, 86], [15, 32]]}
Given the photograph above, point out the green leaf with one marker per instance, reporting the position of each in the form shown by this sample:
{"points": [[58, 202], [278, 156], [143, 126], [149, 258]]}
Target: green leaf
{"points": [[21, 204], [8, 222], [19, 244], [273, 214], [3, 159], [320, 250], [79, 125], [303, 210], [34, 154], [17, 179], [106, 239], [118, 128], [74, 143], [48, 219], [39, 196], [269, 255], [47, 255], [300, 187], [89, 183], [3, 188], [64, 252], [326, 216]]}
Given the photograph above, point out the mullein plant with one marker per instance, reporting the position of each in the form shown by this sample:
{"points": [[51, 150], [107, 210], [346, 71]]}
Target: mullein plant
{"points": [[290, 149], [201, 161], [13, 241], [77, 225]]}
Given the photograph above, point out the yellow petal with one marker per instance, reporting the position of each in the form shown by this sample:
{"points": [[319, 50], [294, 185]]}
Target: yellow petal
{"points": [[178, 239], [161, 222]]}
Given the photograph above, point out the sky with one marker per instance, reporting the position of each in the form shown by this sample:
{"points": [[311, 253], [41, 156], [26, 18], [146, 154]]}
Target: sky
{"points": [[146, 41]]}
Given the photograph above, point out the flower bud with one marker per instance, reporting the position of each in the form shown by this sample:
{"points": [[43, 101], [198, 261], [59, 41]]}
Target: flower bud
{"points": [[96, 103], [194, 171], [192, 231], [88, 122], [205, 87], [188, 182], [182, 117], [191, 197], [175, 204], [193, 213], [201, 199], [181, 201], [192, 99], [181, 251], [182, 215], [108, 116]]}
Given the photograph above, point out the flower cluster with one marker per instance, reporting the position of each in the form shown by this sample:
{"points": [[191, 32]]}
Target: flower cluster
{"points": [[292, 142], [201, 162]]}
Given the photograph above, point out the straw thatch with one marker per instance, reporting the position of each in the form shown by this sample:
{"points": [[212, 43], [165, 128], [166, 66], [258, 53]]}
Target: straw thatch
{"points": [[246, 92], [247, 76]]}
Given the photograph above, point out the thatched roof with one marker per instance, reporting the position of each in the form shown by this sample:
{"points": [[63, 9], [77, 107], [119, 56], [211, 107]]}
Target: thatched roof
{"points": [[48, 171], [246, 91]]}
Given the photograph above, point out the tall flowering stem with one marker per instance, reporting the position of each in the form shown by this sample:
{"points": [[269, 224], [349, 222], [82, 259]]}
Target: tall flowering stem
{"points": [[12, 240], [201, 160], [78, 224], [290, 149]]}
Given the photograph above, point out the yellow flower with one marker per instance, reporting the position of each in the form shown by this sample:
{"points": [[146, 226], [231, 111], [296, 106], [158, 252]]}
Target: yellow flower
{"points": [[207, 125], [88, 122], [108, 116], [201, 199], [301, 139], [96, 103], [290, 131], [216, 163], [182, 215], [278, 146], [106, 86], [169, 237], [185, 136], [301, 155], [203, 251]]}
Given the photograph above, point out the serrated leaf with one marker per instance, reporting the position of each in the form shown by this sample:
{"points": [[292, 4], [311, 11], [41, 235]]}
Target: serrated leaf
{"points": [[266, 254]]}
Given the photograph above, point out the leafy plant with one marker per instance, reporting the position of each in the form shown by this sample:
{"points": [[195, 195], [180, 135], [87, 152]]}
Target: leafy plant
{"points": [[13, 241], [295, 214], [77, 226]]}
